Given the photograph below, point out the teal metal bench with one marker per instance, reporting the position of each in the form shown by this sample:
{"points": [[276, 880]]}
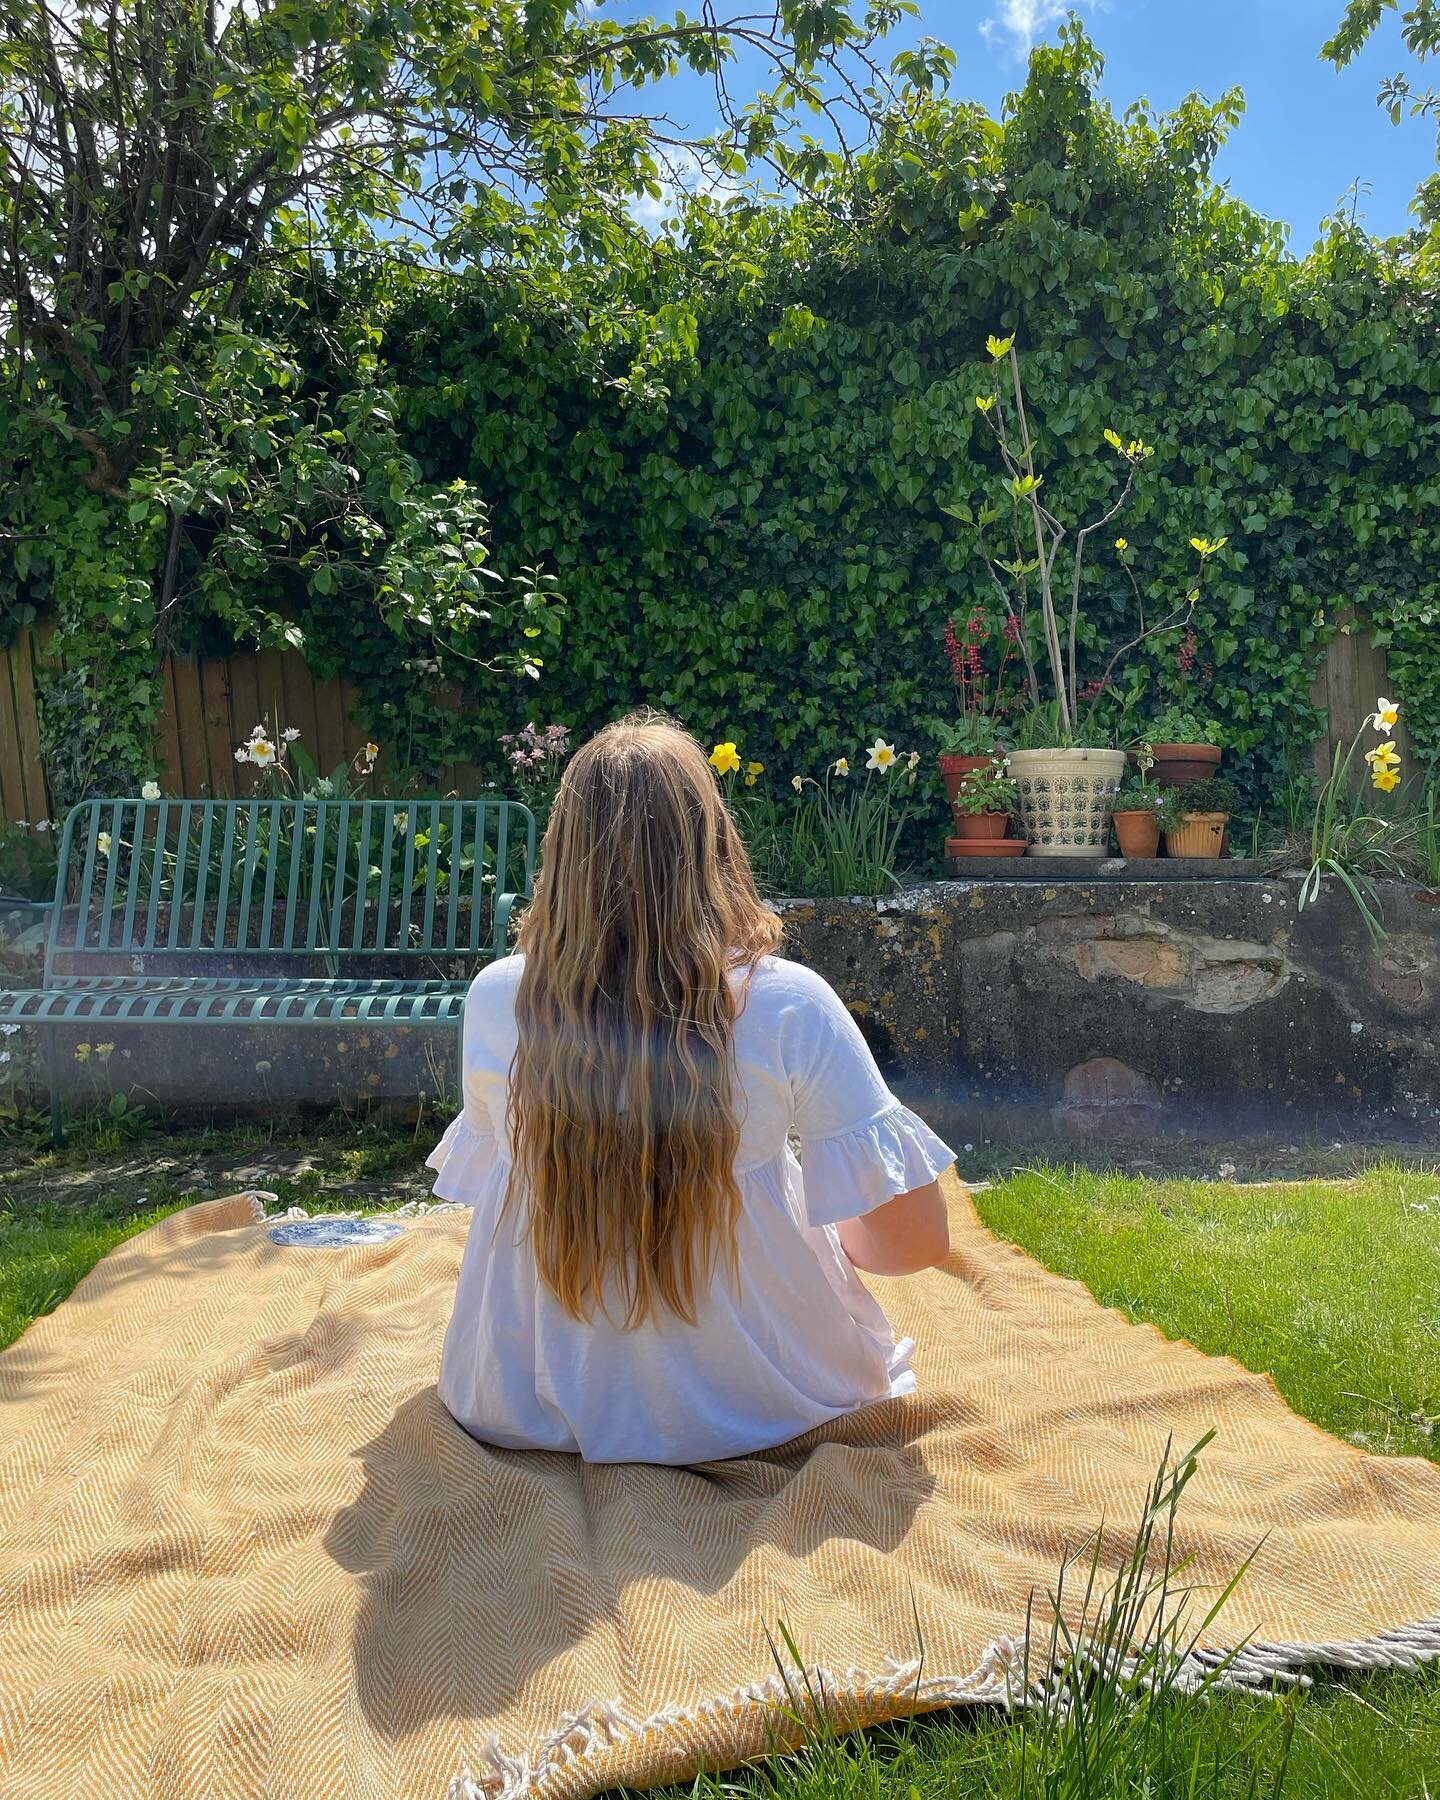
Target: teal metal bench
{"points": [[165, 910]]}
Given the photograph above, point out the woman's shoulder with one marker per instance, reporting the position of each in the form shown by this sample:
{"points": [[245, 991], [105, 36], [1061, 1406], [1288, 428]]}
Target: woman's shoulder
{"points": [[490, 999], [780, 983], [499, 976]]}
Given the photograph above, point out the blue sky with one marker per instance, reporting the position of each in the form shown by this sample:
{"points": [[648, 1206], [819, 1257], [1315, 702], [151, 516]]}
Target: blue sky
{"points": [[1308, 132]]}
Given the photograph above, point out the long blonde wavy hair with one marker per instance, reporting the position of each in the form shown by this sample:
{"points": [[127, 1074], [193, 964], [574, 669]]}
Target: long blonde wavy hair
{"points": [[623, 1107]]}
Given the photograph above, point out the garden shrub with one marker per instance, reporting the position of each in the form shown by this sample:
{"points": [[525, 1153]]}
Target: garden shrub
{"points": [[749, 526]]}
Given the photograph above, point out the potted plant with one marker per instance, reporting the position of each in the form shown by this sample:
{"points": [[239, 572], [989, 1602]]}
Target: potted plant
{"points": [[1065, 778], [1185, 746], [984, 804], [1202, 812], [984, 801], [975, 737], [1184, 740], [1140, 813]]}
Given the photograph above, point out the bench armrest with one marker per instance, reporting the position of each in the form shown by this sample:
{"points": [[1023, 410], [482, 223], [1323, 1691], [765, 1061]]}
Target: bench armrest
{"points": [[504, 906]]}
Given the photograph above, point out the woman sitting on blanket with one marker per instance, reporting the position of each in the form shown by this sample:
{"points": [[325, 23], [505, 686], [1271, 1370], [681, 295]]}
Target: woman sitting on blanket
{"points": [[651, 1276]]}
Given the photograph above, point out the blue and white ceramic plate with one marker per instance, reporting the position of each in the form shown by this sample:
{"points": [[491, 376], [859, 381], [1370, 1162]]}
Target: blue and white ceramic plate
{"points": [[336, 1234]]}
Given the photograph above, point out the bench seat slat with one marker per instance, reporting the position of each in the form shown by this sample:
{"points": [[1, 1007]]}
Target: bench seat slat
{"points": [[200, 1000]]}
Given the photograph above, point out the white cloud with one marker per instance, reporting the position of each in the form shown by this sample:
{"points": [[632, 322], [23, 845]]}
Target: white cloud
{"points": [[684, 174], [1020, 24]]}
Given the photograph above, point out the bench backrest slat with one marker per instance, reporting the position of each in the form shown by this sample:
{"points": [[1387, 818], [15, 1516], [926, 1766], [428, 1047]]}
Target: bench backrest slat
{"points": [[331, 877]]}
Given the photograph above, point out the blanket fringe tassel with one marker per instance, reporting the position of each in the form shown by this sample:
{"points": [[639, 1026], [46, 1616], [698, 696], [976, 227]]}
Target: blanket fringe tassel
{"points": [[857, 1699]]}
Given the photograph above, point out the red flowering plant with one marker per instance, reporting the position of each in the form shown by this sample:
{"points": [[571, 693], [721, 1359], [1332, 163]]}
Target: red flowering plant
{"points": [[980, 661], [1186, 719]]}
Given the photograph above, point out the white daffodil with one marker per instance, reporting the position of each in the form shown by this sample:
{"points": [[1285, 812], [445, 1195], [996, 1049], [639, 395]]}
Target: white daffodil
{"points": [[882, 755], [258, 733], [797, 782], [262, 752], [290, 733], [242, 753], [42, 824], [102, 843], [912, 761], [150, 791], [1385, 716], [841, 765]]}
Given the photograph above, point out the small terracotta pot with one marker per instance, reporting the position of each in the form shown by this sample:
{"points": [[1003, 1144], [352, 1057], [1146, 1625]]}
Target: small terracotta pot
{"points": [[982, 825], [962, 847], [1138, 832], [954, 769], [1178, 764], [1197, 835]]}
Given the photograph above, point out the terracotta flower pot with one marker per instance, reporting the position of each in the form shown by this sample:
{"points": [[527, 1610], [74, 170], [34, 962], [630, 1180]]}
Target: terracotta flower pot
{"points": [[1065, 798], [954, 769], [1198, 834], [963, 847], [982, 825], [1178, 764], [1138, 832]]}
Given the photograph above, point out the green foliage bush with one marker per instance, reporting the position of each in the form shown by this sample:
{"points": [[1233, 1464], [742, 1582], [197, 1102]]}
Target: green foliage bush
{"points": [[755, 535], [763, 548]]}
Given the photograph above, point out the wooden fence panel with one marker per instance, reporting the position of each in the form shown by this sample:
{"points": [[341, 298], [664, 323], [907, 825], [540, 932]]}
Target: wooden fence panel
{"points": [[1352, 675], [22, 775], [207, 709]]}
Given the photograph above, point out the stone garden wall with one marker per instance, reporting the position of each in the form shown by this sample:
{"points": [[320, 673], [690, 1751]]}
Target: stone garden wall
{"points": [[1005, 1009], [1104, 1005]]}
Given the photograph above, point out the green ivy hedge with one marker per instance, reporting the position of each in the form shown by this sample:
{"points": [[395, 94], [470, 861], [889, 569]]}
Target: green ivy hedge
{"points": [[744, 498], [762, 548]]}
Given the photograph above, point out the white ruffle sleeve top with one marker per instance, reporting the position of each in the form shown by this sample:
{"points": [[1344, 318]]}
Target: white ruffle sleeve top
{"points": [[796, 1341]]}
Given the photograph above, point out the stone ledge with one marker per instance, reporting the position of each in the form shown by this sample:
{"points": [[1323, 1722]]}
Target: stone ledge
{"points": [[1107, 868]]}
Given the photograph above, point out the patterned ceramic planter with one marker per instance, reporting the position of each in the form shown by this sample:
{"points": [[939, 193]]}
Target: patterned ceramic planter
{"points": [[1065, 798]]}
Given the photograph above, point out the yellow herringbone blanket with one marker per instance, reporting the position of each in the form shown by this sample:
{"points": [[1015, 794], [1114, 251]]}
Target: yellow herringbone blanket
{"points": [[244, 1551]]}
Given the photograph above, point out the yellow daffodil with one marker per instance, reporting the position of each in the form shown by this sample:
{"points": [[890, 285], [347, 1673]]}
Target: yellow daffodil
{"points": [[724, 759], [1386, 780], [104, 1051], [1122, 544], [841, 765], [1383, 757], [753, 772], [882, 755], [82, 1053], [998, 346], [1386, 715]]}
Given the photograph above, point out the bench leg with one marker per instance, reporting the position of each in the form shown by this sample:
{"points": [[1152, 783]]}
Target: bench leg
{"points": [[52, 1071]]}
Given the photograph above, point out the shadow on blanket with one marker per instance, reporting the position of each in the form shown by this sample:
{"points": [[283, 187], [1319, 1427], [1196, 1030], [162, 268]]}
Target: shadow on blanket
{"points": [[456, 1540]]}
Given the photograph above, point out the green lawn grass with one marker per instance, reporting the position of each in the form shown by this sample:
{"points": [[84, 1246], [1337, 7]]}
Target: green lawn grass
{"points": [[1334, 1287]]}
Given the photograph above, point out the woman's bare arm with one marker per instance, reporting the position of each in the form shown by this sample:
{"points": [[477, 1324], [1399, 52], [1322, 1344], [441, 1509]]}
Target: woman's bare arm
{"points": [[907, 1233]]}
